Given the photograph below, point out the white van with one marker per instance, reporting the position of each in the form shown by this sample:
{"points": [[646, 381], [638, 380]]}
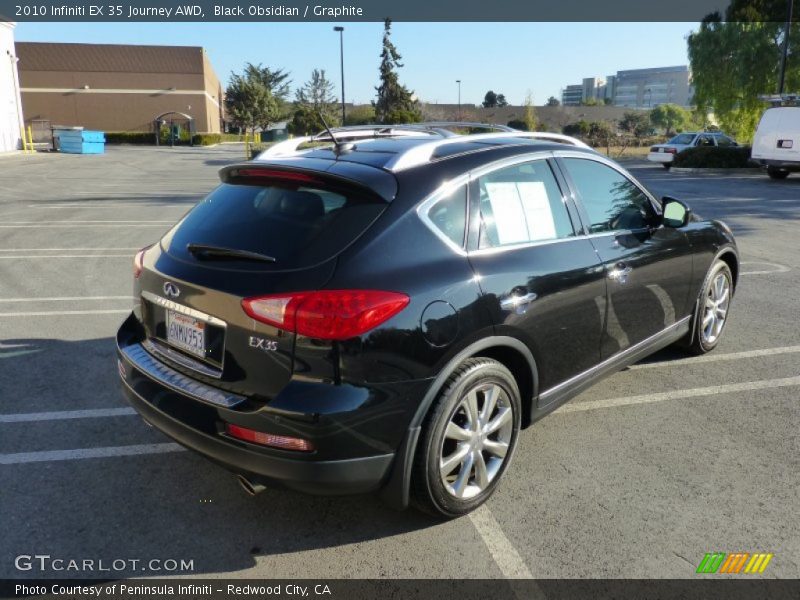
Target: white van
{"points": [[776, 144]]}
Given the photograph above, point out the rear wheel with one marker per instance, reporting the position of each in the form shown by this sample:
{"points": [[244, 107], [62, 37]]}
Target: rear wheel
{"points": [[467, 440], [666, 165], [777, 173], [711, 314]]}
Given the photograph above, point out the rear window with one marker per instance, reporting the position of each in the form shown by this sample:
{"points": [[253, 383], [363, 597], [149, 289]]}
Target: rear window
{"points": [[683, 139], [298, 224]]}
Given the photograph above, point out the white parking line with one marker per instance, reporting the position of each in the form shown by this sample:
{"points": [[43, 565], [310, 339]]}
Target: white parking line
{"points": [[62, 415], [66, 298], [109, 451], [29, 256], [59, 313], [719, 357], [680, 394], [66, 249], [777, 268], [503, 552], [82, 225]]}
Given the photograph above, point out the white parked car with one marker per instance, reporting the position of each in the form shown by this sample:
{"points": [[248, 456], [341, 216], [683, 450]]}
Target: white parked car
{"points": [[776, 144], [665, 153]]}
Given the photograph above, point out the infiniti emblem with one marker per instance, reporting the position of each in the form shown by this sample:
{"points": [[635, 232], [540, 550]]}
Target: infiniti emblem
{"points": [[171, 290]]}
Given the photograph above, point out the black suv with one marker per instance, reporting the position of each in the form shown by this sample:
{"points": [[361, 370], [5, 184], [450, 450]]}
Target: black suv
{"points": [[387, 311]]}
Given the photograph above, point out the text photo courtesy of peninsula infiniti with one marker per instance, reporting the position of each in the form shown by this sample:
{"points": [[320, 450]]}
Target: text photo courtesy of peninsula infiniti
{"points": [[384, 309]]}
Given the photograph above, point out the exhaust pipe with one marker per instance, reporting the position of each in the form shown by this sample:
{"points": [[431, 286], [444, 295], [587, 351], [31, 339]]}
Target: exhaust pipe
{"points": [[250, 488]]}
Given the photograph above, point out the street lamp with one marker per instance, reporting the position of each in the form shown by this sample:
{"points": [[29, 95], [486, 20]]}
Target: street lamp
{"points": [[649, 92], [458, 81], [341, 59]]}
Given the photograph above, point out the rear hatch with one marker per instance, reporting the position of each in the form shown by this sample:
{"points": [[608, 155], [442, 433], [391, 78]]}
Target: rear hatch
{"points": [[265, 230], [778, 135]]}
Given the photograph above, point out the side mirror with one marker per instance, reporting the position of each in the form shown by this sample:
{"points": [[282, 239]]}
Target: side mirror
{"points": [[676, 213]]}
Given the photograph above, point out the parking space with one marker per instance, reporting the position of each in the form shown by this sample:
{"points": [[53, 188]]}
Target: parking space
{"points": [[640, 476]]}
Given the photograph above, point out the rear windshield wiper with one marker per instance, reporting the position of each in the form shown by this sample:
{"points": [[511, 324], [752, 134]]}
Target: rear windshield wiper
{"points": [[203, 251]]}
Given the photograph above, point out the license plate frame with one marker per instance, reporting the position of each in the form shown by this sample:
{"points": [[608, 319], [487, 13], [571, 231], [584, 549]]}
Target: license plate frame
{"points": [[186, 333]]}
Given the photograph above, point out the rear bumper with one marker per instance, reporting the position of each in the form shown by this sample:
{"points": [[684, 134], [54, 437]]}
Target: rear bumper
{"points": [[351, 476], [346, 461], [660, 157], [787, 165]]}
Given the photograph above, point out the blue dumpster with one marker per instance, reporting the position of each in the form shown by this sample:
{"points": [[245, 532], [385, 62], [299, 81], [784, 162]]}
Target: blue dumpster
{"points": [[81, 141]]}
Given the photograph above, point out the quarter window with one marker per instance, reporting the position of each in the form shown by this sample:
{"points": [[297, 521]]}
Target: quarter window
{"points": [[521, 204], [449, 215], [611, 200]]}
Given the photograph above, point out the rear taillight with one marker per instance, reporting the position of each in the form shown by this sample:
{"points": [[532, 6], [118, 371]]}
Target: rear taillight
{"points": [[327, 314], [268, 439], [671, 150], [138, 262]]}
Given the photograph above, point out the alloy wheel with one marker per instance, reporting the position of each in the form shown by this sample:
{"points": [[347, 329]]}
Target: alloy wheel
{"points": [[716, 308]]}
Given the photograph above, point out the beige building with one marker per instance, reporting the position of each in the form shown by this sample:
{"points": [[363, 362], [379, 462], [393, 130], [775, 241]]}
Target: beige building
{"points": [[112, 87]]}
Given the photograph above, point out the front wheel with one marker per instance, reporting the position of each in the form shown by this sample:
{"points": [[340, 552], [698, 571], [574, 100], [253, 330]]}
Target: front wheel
{"points": [[777, 173], [467, 440], [711, 314]]}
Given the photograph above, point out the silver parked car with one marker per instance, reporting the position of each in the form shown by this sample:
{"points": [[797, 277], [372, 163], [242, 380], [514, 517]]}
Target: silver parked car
{"points": [[665, 153]]}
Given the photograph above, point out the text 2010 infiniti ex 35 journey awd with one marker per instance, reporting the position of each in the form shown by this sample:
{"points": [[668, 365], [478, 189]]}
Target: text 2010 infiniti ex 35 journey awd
{"points": [[386, 312]]}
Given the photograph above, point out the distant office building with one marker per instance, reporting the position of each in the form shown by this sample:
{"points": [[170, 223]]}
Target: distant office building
{"points": [[572, 95], [636, 88], [592, 90], [118, 87], [647, 88], [10, 103]]}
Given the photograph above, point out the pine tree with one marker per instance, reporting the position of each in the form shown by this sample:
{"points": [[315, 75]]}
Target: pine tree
{"points": [[395, 103], [315, 98]]}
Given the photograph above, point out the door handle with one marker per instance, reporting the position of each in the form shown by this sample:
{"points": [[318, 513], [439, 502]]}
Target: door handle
{"points": [[518, 303], [620, 273]]}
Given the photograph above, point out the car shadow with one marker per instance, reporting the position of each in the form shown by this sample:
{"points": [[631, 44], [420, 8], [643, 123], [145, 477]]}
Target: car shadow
{"points": [[152, 505]]}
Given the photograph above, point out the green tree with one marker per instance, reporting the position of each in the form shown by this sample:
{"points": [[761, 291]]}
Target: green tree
{"points": [[501, 100], [553, 101], [735, 57], [578, 128], [360, 115], [490, 100], [315, 98], [275, 80], [249, 104], [529, 113], [670, 117], [395, 102], [636, 124]]}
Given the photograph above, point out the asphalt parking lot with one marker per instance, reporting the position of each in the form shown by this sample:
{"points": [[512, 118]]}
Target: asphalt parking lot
{"points": [[638, 477]]}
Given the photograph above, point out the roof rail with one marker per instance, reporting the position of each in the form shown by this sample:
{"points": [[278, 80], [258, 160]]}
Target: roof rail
{"points": [[469, 124], [423, 153], [355, 132]]}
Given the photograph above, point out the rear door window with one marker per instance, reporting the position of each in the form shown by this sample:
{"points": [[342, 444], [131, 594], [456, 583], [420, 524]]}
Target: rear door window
{"points": [[521, 204], [299, 224]]}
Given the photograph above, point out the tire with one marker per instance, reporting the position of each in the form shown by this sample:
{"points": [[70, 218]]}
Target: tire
{"points": [[465, 487], [705, 337], [666, 166], [777, 173]]}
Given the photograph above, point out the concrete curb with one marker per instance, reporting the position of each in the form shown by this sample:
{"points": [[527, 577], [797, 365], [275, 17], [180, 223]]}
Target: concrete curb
{"points": [[743, 171]]}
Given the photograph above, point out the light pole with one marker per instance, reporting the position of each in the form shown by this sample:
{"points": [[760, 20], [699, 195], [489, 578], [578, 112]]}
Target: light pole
{"points": [[458, 81], [649, 93], [341, 64], [785, 47]]}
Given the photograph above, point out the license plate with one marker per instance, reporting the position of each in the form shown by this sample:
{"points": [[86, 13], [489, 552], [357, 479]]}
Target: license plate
{"points": [[186, 333]]}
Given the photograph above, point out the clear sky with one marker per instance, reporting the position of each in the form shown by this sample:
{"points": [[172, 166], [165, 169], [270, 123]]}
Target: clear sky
{"points": [[509, 58]]}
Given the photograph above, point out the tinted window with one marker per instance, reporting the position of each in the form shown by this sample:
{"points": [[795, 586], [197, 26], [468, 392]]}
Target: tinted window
{"points": [[449, 215], [705, 140], [684, 139], [521, 204], [610, 199], [299, 225], [725, 141]]}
